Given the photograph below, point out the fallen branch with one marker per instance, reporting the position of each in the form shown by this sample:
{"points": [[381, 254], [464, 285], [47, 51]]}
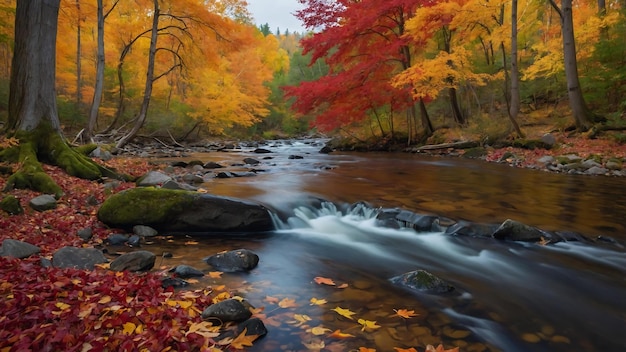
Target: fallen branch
{"points": [[455, 145]]}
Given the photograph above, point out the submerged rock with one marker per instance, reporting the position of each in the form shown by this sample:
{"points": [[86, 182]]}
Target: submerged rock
{"points": [[186, 271], [516, 231], [423, 281]]}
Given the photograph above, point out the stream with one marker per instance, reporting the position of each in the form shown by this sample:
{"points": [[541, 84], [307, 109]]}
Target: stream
{"points": [[509, 296]]}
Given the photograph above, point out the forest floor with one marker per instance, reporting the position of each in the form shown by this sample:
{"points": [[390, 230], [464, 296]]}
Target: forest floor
{"points": [[59, 309]]}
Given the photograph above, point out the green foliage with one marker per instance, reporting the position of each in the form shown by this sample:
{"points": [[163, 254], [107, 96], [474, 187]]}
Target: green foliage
{"points": [[605, 83]]}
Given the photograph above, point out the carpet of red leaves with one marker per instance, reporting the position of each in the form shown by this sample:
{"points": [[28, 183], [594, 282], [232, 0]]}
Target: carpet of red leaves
{"points": [[53, 309]]}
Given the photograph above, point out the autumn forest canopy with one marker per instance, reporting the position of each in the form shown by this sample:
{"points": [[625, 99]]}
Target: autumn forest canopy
{"points": [[401, 69]]}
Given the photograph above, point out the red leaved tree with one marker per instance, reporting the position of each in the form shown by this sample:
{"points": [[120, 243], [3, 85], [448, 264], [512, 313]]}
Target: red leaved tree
{"points": [[364, 47]]}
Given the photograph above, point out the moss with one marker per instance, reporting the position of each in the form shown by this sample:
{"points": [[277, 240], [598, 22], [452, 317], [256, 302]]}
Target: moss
{"points": [[86, 149], [11, 205], [475, 153], [144, 205]]}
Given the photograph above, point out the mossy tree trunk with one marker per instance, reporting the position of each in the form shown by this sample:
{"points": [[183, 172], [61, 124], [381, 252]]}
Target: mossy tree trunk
{"points": [[33, 117]]}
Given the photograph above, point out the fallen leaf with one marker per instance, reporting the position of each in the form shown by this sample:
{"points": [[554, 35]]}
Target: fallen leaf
{"points": [[324, 281], [317, 302], [342, 286], [404, 313], [314, 345], [105, 300], [364, 349], [368, 324], [299, 319], [243, 340], [215, 274], [318, 330], [204, 328], [191, 242], [431, 348], [344, 312], [398, 349], [62, 306], [287, 303], [270, 299], [337, 334], [129, 328]]}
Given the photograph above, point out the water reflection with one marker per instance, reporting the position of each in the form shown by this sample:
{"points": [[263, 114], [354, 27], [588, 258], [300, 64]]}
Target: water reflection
{"points": [[509, 297]]}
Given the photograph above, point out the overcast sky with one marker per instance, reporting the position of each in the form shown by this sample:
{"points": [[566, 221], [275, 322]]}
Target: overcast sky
{"points": [[276, 13]]}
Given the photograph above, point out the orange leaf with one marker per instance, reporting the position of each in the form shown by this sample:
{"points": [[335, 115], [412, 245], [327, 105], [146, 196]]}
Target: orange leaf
{"points": [[215, 274], [270, 299], [364, 349], [324, 280], [398, 349], [431, 348], [404, 313], [340, 335]]}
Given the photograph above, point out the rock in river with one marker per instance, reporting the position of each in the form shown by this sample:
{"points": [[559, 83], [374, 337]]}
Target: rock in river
{"points": [[183, 211], [235, 260]]}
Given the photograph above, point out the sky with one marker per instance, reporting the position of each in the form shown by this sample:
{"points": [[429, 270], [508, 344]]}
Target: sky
{"points": [[276, 13]]}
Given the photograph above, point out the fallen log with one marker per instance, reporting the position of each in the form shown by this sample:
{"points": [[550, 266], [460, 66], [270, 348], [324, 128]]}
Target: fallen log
{"points": [[454, 145]]}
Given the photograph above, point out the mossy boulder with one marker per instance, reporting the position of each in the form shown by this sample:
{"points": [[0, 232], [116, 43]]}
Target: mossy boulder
{"points": [[11, 205], [183, 211]]}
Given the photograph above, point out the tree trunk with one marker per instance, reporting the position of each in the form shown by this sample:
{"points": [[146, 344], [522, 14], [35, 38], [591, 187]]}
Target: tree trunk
{"points": [[99, 87], [32, 96], [581, 113], [428, 126], [33, 116], [143, 113], [515, 96]]}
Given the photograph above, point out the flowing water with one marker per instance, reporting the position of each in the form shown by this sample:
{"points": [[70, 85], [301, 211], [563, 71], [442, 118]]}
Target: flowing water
{"points": [[509, 296]]}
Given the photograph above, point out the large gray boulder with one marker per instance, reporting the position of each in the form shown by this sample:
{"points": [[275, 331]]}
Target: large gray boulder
{"points": [[78, 258], [183, 211], [17, 249]]}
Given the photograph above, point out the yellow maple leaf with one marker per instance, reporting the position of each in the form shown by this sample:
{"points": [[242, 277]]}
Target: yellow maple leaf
{"points": [[405, 313], [324, 281], [287, 303], [243, 340], [317, 302], [221, 297], [129, 328], [368, 324], [344, 312], [340, 335]]}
